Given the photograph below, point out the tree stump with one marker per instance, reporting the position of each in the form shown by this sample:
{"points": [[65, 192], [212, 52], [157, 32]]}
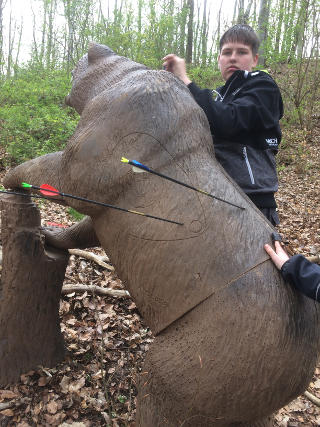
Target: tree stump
{"points": [[32, 278]]}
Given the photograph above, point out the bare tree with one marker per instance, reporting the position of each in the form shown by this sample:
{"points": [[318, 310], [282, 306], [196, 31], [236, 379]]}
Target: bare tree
{"points": [[183, 23], [279, 27], [263, 22], [217, 34], [289, 22], [240, 18], [196, 39], [190, 32], [11, 40], [20, 30], [69, 10], [204, 33], [2, 5], [241, 12], [50, 33], [246, 14], [44, 30]]}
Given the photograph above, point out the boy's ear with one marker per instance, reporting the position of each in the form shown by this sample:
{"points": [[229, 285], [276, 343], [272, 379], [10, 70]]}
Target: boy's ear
{"points": [[255, 60]]}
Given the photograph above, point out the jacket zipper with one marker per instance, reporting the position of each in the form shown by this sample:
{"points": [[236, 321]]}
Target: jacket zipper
{"points": [[248, 164], [227, 90]]}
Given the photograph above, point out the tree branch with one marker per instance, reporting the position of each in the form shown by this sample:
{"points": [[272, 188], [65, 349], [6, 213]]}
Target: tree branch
{"points": [[14, 403], [92, 257], [67, 289], [312, 398]]}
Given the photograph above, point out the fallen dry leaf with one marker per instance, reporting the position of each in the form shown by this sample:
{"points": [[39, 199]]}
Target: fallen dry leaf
{"points": [[7, 394], [43, 381], [77, 385], [7, 412], [52, 407]]}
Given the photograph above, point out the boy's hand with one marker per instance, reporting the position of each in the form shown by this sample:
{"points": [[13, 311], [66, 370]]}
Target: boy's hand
{"points": [[177, 66], [279, 257]]}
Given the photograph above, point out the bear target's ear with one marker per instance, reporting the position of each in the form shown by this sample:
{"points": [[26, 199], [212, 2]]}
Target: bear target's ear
{"points": [[97, 51]]}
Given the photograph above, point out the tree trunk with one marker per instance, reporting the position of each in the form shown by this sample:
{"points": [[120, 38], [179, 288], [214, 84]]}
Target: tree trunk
{"points": [[69, 11], [289, 28], [2, 4], [240, 19], [235, 8], [15, 66], [183, 22], [44, 32], [204, 34], [300, 27], [263, 23], [278, 30], [247, 12], [196, 38], [11, 37], [50, 35], [190, 32], [139, 23], [31, 283], [216, 37]]}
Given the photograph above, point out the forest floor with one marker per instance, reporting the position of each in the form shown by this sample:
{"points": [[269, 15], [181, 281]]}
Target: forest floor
{"points": [[106, 340]]}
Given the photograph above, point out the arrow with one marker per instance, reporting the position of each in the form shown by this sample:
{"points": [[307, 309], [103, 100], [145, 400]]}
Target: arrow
{"points": [[139, 165], [47, 190], [22, 194]]}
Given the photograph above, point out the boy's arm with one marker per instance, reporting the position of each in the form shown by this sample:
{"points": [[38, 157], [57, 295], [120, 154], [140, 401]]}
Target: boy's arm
{"points": [[304, 275], [256, 107]]}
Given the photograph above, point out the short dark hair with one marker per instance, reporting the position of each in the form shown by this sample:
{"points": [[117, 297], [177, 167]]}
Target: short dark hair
{"points": [[241, 33]]}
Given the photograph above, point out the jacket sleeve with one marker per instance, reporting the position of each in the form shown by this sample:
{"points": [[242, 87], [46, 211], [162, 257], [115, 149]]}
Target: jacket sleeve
{"points": [[256, 107], [304, 275]]}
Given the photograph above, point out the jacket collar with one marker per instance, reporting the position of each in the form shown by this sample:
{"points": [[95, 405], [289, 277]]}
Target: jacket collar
{"points": [[233, 82]]}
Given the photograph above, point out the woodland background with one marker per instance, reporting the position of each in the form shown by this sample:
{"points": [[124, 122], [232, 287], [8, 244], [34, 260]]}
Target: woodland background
{"points": [[33, 118], [105, 337]]}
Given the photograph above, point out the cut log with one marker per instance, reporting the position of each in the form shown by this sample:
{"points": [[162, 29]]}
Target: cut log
{"points": [[31, 283]]}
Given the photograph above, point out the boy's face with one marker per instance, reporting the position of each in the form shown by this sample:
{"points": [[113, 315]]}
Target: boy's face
{"points": [[236, 56]]}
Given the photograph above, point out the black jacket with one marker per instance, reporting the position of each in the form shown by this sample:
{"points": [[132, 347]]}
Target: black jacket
{"points": [[244, 122], [304, 275]]}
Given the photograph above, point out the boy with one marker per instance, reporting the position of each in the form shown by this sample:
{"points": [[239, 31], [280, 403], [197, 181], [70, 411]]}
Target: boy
{"points": [[243, 118]]}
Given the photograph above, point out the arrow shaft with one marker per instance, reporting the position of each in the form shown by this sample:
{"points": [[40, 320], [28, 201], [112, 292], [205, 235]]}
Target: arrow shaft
{"points": [[22, 194], [146, 168], [106, 205]]}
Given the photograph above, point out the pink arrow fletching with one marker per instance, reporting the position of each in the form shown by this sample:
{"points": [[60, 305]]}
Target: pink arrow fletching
{"points": [[53, 191]]}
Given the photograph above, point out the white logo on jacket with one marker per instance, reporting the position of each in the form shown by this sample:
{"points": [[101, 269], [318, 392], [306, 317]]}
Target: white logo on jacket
{"points": [[272, 142]]}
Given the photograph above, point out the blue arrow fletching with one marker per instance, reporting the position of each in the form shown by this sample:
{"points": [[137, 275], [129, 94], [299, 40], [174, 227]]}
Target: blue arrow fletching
{"points": [[139, 165]]}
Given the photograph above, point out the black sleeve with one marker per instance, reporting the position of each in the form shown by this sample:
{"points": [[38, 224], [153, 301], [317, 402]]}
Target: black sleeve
{"points": [[304, 275], [256, 107]]}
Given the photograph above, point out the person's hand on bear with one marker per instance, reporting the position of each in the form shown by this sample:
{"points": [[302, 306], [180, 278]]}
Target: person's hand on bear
{"points": [[279, 256]]}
